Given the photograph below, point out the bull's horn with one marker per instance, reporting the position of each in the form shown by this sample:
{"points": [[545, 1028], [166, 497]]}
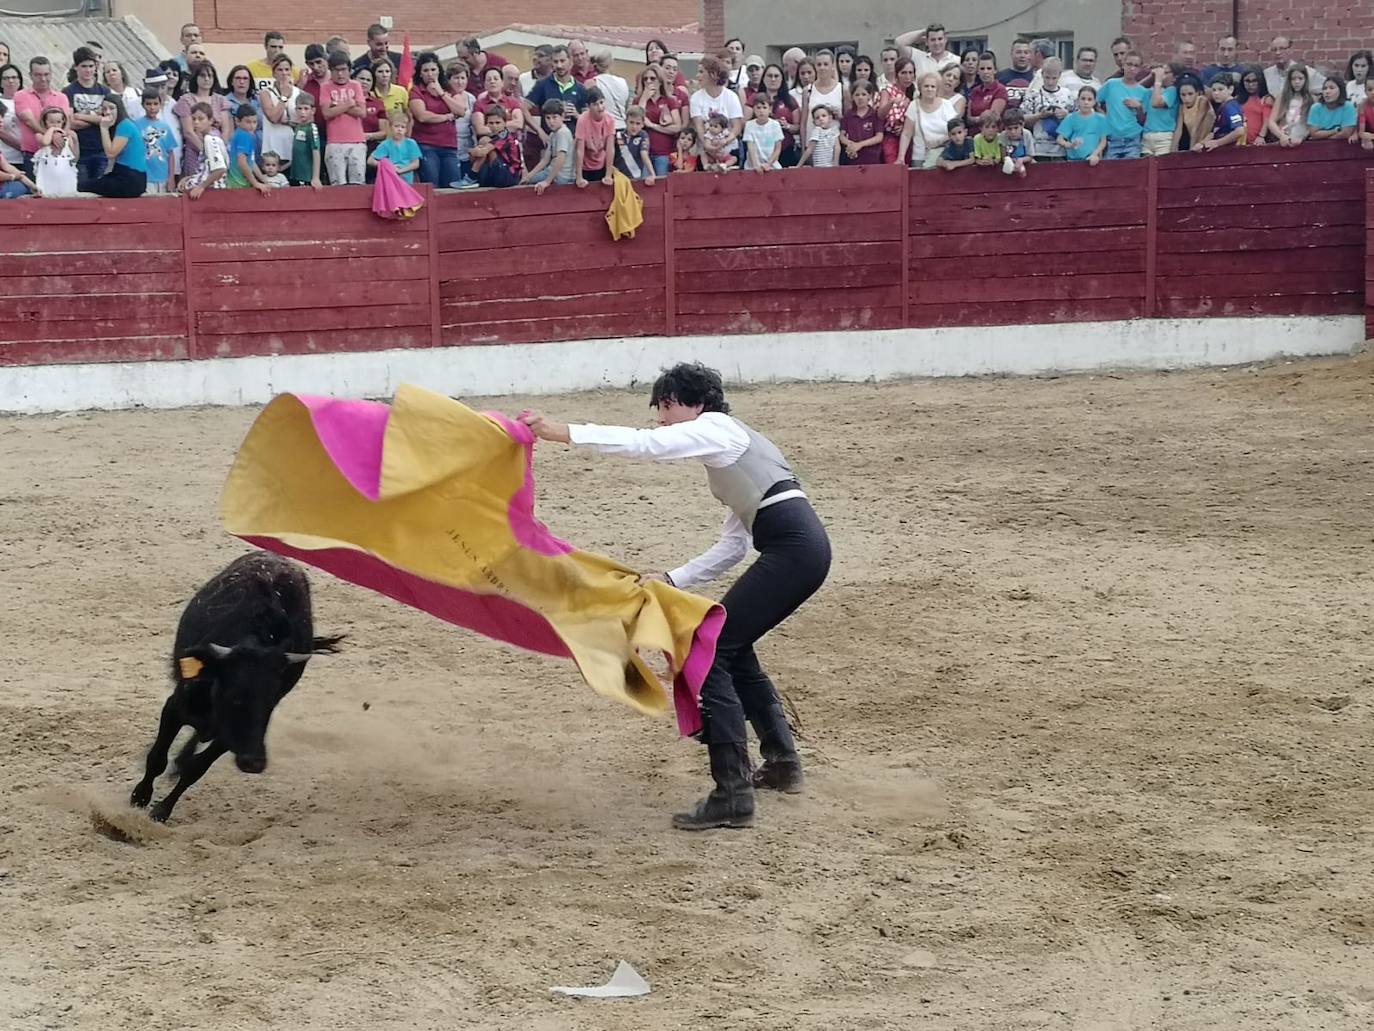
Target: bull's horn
{"points": [[219, 651], [295, 657]]}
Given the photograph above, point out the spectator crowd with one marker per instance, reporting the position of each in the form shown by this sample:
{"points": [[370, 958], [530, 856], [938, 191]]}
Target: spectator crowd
{"points": [[479, 120]]}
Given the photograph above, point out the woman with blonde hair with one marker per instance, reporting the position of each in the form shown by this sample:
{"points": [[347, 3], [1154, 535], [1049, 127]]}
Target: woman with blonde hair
{"points": [[927, 123]]}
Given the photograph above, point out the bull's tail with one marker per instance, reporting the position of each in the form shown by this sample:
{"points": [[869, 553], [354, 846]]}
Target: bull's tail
{"points": [[326, 645]]}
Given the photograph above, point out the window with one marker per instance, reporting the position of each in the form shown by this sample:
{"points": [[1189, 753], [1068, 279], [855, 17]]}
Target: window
{"points": [[963, 44], [1063, 44], [812, 48]]}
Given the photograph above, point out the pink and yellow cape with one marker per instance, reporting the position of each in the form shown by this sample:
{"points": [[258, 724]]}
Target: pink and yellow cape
{"points": [[432, 504]]}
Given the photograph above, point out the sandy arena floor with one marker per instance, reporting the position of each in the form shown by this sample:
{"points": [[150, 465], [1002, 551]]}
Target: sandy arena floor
{"points": [[1087, 705]]}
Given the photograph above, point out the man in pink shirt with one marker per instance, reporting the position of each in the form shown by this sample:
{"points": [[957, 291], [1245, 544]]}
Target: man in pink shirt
{"points": [[29, 104], [344, 103], [594, 137]]}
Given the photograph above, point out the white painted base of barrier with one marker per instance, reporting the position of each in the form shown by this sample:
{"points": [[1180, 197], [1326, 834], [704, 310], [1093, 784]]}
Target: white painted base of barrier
{"points": [[590, 364]]}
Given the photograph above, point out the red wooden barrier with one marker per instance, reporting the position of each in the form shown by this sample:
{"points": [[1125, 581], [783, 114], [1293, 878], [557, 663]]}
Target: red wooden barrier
{"points": [[1369, 255], [515, 266], [1260, 231], [91, 281]]}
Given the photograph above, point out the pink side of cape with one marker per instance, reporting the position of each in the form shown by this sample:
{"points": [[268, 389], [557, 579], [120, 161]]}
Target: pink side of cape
{"points": [[352, 434]]}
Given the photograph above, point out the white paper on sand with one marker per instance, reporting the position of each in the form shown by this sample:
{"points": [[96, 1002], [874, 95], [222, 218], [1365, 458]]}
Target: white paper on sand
{"points": [[624, 983]]}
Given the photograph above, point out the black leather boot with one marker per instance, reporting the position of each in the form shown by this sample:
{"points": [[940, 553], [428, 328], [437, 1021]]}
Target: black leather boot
{"points": [[781, 769], [731, 804]]}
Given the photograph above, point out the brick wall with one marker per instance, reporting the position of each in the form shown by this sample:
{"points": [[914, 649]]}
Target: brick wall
{"points": [[713, 23], [427, 21], [1323, 33]]}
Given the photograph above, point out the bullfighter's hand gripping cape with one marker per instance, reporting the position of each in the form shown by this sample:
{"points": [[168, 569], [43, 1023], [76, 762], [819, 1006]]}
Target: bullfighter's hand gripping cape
{"points": [[432, 504]]}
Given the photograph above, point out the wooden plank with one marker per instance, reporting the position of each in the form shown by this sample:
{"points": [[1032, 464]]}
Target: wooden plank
{"points": [[220, 252], [60, 285], [808, 320], [1300, 304], [184, 210], [278, 202], [432, 271], [1216, 185], [792, 300], [507, 262], [817, 277], [669, 258], [579, 229], [1040, 288], [270, 272], [1045, 209], [1017, 263], [978, 313], [784, 203], [1241, 240], [133, 307], [1121, 176], [844, 178], [1265, 216], [85, 238], [93, 349], [1069, 245], [905, 216], [259, 321], [1265, 284], [1151, 237], [1310, 151], [580, 327], [610, 302], [499, 289], [106, 328], [725, 232], [313, 341], [494, 205], [1311, 259], [89, 264], [291, 226], [80, 211], [311, 294], [780, 258]]}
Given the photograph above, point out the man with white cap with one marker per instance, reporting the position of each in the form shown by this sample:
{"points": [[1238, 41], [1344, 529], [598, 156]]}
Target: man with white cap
{"points": [[752, 78]]}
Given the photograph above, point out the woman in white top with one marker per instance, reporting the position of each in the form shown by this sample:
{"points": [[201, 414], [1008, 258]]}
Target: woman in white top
{"points": [[118, 84], [927, 123], [279, 110], [1357, 76], [818, 86], [712, 97], [615, 89], [733, 56], [768, 509], [951, 77]]}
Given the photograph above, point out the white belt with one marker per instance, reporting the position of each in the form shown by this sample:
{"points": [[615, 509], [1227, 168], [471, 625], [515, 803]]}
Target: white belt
{"points": [[786, 495]]}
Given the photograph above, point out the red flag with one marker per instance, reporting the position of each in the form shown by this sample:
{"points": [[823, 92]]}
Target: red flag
{"points": [[407, 70]]}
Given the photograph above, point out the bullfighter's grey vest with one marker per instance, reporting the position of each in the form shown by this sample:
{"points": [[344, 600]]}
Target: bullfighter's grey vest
{"points": [[743, 485]]}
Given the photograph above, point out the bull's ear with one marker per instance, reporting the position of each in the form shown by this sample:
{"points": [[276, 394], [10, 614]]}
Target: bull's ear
{"points": [[190, 667]]}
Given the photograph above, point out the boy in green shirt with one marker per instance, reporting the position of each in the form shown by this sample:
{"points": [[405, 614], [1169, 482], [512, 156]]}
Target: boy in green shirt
{"points": [[304, 169]]}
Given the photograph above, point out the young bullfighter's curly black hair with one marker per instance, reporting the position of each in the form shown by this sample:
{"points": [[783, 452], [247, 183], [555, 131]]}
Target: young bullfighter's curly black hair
{"points": [[690, 384]]}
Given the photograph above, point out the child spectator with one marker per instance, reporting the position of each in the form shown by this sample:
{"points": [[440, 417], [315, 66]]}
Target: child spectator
{"points": [[1018, 146], [1334, 117], [595, 131], [1228, 127], [305, 145], [243, 145], [1161, 114], [1045, 106], [987, 151], [159, 80], [823, 141], [214, 163], [1083, 135], [1256, 104], [763, 136], [272, 173], [1195, 113], [632, 147], [157, 140], [685, 158], [344, 104], [958, 152], [1288, 123], [54, 163], [1364, 128], [398, 147], [1123, 101], [556, 164], [717, 145], [496, 159], [861, 132]]}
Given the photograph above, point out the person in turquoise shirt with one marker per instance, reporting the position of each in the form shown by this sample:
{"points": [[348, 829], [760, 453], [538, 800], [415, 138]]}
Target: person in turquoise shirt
{"points": [[122, 143], [1161, 115], [1083, 135], [1334, 117], [1124, 101], [398, 148]]}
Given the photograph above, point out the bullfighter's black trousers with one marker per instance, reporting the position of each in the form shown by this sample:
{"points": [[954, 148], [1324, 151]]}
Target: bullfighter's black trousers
{"points": [[794, 559]]}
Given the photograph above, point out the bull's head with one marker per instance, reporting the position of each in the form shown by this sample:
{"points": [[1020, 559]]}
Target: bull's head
{"points": [[245, 683]]}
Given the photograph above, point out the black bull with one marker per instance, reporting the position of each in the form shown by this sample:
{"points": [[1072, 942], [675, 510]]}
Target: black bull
{"points": [[241, 646]]}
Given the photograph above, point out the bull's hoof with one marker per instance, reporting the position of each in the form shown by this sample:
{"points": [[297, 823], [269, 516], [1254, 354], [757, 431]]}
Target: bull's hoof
{"points": [[160, 812], [141, 795]]}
